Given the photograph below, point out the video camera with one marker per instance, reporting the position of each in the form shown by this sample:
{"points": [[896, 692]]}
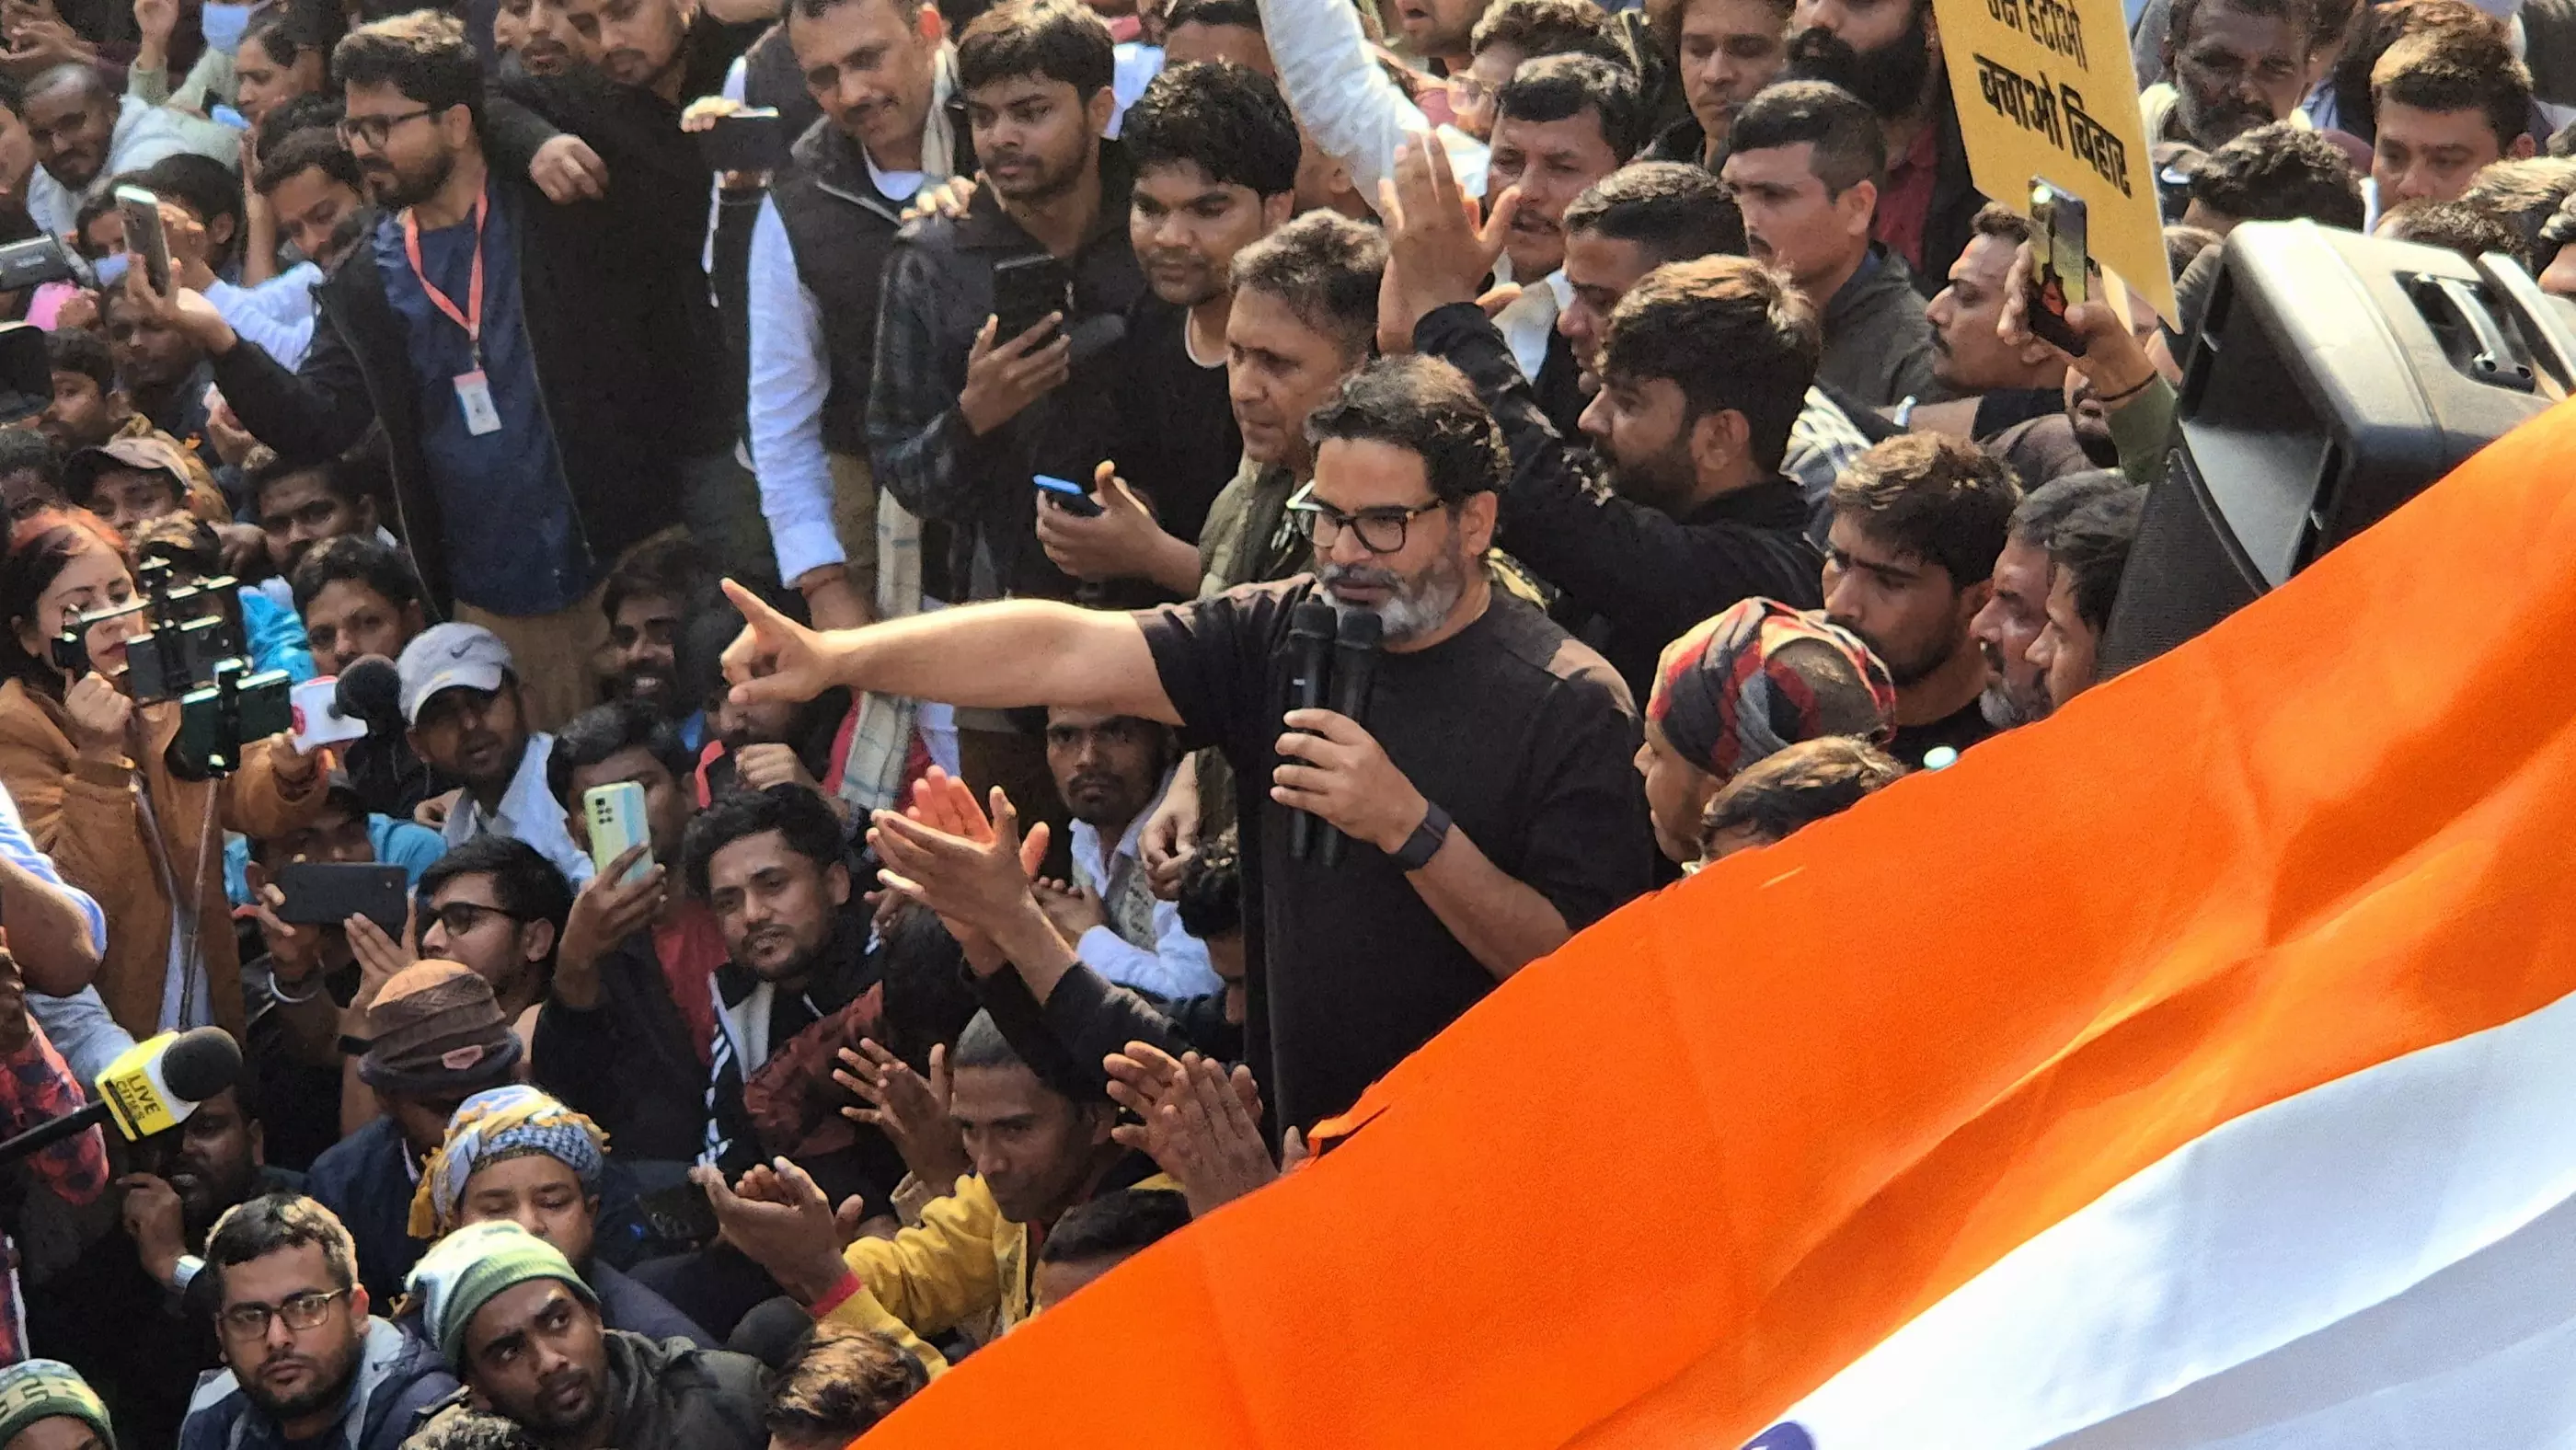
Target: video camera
{"points": [[192, 654], [26, 381]]}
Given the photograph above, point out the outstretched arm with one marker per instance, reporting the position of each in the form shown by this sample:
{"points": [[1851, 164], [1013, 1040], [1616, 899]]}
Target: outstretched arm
{"points": [[992, 656]]}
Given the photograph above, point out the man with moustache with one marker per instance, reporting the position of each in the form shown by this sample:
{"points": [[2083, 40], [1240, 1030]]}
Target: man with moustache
{"points": [[305, 1363], [1723, 51], [1704, 368], [110, 1314], [1888, 53], [2236, 64], [2018, 610], [1215, 151], [533, 442], [1487, 801]]}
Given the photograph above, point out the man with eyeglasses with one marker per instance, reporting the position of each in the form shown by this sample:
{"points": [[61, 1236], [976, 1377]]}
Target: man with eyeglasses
{"points": [[497, 906], [461, 697], [305, 1362], [1487, 799]]}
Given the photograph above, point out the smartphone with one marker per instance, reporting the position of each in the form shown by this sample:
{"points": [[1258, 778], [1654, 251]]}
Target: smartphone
{"points": [[615, 814], [143, 235], [2061, 263], [754, 139], [1025, 290], [315, 707], [327, 893], [1067, 495], [679, 1214]]}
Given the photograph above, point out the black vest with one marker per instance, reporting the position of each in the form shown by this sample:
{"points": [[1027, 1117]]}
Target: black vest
{"points": [[841, 229]]}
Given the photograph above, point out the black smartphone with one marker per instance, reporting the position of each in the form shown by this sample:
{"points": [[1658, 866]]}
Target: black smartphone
{"points": [[2061, 267], [1025, 291], [1067, 495], [679, 1214], [327, 893], [144, 239], [754, 139]]}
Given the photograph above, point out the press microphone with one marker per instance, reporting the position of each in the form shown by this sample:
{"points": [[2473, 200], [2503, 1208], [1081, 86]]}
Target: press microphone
{"points": [[150, 1088], [371, 690], [1310, 648], [1355, 638]]}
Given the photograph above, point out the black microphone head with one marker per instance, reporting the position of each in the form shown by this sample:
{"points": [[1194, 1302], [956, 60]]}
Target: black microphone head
{"points": [[1311, 620], [1359, 629], [203, 1062], [370, 689]]}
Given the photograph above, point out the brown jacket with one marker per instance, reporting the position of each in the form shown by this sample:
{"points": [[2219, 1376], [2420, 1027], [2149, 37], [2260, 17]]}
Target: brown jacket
{"points": [[86, 816]]}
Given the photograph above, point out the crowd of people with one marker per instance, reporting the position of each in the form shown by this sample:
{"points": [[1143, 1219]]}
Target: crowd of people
{"points": [[1130, 562]]}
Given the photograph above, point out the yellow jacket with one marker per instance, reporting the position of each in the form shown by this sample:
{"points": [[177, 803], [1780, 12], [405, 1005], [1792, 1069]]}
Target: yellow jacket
{"points": [[963, 1267]]}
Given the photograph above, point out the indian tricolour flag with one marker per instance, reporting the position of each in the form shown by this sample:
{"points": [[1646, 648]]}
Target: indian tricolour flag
{"points": [[2196, 1069]]}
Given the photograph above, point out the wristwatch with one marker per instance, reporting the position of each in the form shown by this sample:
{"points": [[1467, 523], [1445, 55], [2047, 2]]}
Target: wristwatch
{"points": [[1424, 843]]}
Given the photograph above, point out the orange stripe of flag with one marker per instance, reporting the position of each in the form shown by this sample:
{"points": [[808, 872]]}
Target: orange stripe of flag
{"points": [[1666, 1182]]}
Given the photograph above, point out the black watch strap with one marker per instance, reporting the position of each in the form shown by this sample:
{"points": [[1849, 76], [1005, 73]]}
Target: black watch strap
{"points": [[1424, 843]]}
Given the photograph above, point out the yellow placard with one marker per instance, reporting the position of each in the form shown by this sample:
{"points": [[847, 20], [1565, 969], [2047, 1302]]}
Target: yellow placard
{"points": [[2045, 89]]}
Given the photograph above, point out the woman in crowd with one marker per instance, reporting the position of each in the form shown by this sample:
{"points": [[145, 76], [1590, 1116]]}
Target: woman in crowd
{"points": [[92, 772]]}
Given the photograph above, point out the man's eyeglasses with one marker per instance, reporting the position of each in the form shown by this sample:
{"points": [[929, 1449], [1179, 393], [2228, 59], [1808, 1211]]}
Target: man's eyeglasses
{"points": [[461, 917], [1381, 530], [375, 129], [304, 1311]]}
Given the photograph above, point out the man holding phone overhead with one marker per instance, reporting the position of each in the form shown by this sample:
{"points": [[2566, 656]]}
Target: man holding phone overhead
{"points": [[990, 346]]}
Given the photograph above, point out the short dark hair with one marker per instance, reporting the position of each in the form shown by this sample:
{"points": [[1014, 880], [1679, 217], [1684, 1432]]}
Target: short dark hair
{"points": [[79, 350], [675, 569], [297, 115], [1797, 786], [305, 150], [206, 187], [798, 815], [1560, 87], [982, 1043], [2526, 194], [1850, 148], [1227, 121], [1242, 14], [928, 1000], [2302, 13], [274, 1222], [2277, 173], [1549, 27], [29, 450], [1050, 39], [604, 730], [2042, 509], [1944, 500], [2456, 226], [2382, 26], [1325, 268], [424, 55], [2091, 545], [291, 31], [529, 886], [1995, 219], [2456, 70], [1115, 1225], [1733, 333], [181, 540], [1664, 19], [356, 559], [463, 1427], [1668, 209], [1211, 899], [1427, 408], [354, 478], [838, 1384]]}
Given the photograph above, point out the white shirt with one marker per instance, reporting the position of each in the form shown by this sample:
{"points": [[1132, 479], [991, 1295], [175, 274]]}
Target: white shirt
{"points": [[1530, 321], [529, 812], [1355, 113], [1178, 965], [143, 134], [277, 314]]}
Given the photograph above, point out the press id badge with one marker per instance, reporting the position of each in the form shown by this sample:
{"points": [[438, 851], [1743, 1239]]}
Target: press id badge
{"points": [[474, 395]]}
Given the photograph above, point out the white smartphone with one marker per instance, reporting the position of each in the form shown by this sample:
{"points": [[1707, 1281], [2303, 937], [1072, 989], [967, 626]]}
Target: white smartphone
{"points": [[317, 717], [615, 814]]}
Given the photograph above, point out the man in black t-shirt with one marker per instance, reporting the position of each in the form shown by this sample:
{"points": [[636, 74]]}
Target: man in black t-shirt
{"points": [[1215, 151], [1488, 798], [1917, 524]]}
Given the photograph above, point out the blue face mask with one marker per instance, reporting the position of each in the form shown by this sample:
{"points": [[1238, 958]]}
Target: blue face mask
{"points": [[111, 269], [223, 26]]}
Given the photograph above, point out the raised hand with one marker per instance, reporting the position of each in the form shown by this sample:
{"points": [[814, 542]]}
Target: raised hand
{"points": [[782, 1221], [911, 1112]]}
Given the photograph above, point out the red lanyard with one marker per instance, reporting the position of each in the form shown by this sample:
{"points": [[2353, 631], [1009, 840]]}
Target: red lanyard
{"points": [[471, 319]]}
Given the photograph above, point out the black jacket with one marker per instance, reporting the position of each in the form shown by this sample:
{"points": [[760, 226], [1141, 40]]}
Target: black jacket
{"points": [[670, 1395], [1087, 1017], [627, 1063], [616, 391], [1649, 576], [1951, 222]]}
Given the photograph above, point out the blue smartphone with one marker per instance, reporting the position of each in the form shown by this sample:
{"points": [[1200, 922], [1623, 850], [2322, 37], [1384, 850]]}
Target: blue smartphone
{"points": [[1067, 495]]}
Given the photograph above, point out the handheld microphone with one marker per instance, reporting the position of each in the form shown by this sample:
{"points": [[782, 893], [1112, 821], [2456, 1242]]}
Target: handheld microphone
{"points": [[370, 689], [1355, 641], [150, 1088], [1310, 647]]}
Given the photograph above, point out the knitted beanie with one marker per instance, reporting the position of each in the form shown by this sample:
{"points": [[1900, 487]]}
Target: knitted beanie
{"points": [[45, 1389], [464, 1271]]}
